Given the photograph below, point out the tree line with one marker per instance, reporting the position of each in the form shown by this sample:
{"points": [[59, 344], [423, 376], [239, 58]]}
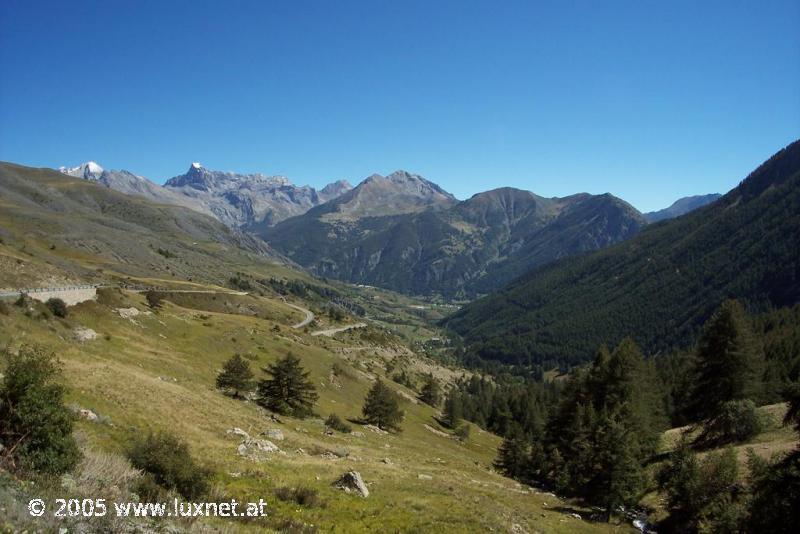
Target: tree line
{"points": [[595, 434]]}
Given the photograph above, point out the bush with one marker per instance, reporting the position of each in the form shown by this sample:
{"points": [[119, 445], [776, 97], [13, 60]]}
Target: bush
{"points": [[303, 496], [166, 457], [154, 299], [335, 422], [404, 379], [462, 432], [57, 306], [737, 421], [702, 495], [35, 426]]}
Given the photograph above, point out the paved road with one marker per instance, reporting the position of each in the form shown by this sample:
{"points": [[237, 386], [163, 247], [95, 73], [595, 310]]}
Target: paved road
{"points": [[304, 322], [332, 331]]}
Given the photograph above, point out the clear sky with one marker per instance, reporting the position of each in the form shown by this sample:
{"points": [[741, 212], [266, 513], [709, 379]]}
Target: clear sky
{"points": [[648, 100]]}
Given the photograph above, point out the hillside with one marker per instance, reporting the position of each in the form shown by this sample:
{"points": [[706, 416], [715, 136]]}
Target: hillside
{"points": [[149, 370], [658, 286], [455, 250], [60, 230], [132, 184], [130, 369]]}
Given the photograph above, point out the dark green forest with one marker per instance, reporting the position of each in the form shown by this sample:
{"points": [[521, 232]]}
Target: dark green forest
{"points": [[659, 286], [594, 434]]}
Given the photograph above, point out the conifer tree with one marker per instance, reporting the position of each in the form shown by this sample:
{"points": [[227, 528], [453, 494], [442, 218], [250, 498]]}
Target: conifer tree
{"points": [[619, 476], [381, 407], [512, 456], [235, 376], [775, 505], [288, 391], [727, 363], [431, 392], [453, 409]]}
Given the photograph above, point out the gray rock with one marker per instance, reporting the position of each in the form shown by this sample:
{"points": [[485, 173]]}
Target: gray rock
{"points": [[352, 482], [89, 415], [274, 433], [236, 431]]}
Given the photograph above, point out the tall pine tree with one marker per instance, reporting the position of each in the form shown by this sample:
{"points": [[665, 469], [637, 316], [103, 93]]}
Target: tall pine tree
{"points": [[382, 408], [512, 456], [288, 391], [431, 393], [727, 365], [235, 376]]}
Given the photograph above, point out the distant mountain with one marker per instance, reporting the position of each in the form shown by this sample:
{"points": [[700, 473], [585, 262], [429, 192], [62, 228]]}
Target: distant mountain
{"points": [[132, 184], [115, 234], [238, 200], [89, 170], [243, 200], [659, 286], [408, 234], [400, 192], [681, 206]]}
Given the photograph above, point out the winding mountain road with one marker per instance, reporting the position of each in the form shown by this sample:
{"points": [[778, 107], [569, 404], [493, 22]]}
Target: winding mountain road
{"points": [[309, 315], [330, 332]]}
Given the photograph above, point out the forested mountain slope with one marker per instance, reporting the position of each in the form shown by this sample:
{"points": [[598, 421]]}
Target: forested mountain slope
{"points": [[437, 246], [658, 286]]}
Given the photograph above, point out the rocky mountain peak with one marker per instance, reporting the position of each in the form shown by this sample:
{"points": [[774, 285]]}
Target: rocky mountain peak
{"points": [[89, 171]]}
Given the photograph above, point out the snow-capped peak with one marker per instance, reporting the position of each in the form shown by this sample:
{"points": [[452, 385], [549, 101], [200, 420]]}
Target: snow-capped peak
{"points": [[196, 165], [93, 167], [89, 170]]}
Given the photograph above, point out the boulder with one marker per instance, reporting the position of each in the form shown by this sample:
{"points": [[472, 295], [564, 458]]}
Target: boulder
{"points": [[261, 445], [89, 415], [352, 482], [236, 431], [128, 313], [84, 334], [274, 433]]}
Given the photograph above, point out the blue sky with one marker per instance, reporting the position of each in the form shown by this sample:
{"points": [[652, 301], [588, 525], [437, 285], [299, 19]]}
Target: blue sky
{"points": [[650, 101]]}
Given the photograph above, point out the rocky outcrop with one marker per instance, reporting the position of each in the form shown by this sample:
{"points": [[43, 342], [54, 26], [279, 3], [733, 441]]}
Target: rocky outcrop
{"points": [[351, 482]]}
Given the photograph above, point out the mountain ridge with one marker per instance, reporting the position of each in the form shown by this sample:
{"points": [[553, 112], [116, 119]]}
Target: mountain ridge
{"points": [[658, 287], [681, 206], [238, 200], [441, 246]]}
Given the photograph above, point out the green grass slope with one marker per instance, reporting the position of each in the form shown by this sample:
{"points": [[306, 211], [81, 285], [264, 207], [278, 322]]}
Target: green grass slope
{"points": [[157, 370], [56, 229]]}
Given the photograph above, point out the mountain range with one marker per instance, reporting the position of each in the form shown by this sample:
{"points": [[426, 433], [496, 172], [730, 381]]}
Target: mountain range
{"points": [[108, 233], [405, 233], [238, 200], [657, 287], [400, 231]]}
